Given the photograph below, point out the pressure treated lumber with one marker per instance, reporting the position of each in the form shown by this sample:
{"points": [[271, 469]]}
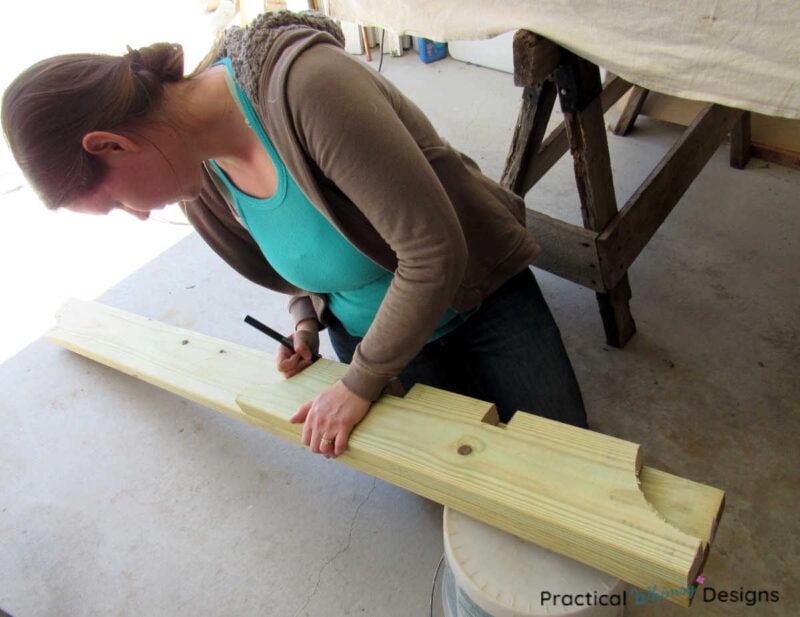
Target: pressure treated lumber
{"points": [[567, 489]]}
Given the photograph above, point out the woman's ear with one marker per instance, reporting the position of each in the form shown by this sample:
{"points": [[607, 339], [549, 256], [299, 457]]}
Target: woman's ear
{"points": [[104, 143]]}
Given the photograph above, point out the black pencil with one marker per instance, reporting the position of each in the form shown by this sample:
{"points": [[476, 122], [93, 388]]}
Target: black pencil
{"points": [[269, 331]]}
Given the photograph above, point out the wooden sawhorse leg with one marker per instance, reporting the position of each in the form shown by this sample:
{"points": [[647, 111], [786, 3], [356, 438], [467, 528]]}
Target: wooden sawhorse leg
{"points": [[579, 89], [632, 109], [537, 105], [740, 142], [545, 69], [536, 58]]}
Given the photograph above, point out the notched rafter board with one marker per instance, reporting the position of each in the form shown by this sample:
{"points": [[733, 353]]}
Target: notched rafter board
{"points": [[693, 507], [572, 491], [212, 372]]}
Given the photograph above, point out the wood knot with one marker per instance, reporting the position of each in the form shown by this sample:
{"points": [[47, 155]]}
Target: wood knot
{"points": [[465, 450]]}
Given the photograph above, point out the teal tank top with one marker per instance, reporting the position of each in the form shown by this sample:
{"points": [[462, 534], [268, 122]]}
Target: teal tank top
{"points": [[305, 248]]}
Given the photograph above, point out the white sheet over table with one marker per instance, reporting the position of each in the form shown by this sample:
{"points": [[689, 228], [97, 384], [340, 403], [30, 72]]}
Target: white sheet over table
{"points": [[741, 53]]}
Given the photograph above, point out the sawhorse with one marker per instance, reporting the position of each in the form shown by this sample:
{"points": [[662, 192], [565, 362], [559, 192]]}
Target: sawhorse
{"points": [[599, 254]]}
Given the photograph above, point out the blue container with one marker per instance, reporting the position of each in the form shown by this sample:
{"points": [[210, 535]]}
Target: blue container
{"points": [[430, 51]]}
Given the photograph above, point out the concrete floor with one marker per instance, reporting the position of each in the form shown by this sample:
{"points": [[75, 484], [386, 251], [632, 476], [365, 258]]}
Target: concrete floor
{"points": [[117, 498]]}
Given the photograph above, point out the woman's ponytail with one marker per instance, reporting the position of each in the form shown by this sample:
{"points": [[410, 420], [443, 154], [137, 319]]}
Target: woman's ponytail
{"points": [[49, 108]]}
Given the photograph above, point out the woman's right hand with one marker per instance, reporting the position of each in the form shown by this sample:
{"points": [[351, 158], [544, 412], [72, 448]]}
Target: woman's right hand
{"points": [[306, 349]]}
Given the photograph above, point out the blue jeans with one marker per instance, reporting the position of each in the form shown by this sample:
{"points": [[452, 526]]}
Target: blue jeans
{"points": [[509, 352]]}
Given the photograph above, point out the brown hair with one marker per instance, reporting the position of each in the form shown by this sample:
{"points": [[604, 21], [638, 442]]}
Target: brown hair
{"points": [[49, 108]]}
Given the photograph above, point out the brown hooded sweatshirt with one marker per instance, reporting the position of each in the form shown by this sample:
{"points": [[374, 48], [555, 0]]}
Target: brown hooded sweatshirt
{"points": [[370, 161]]}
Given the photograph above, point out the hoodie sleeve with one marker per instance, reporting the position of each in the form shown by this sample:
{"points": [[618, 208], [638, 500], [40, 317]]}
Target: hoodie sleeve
{"points": [[346, 118]]}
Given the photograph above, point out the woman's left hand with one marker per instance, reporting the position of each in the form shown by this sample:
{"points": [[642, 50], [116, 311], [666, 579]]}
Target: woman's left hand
{"points": [[329, 418]]}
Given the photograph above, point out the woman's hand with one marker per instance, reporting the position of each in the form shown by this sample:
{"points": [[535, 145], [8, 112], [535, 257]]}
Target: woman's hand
{"points": [[329, 419], [306, 347]]}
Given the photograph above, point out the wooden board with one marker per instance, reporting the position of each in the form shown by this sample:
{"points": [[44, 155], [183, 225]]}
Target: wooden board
{"points": [[567, 489], [626, 235], [568, 250]]}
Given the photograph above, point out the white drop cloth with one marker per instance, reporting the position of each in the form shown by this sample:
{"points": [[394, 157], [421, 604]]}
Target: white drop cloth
{"points": [[741, 53]]}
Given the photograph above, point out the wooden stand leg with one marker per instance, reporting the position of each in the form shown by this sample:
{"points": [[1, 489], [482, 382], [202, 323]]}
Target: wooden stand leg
{"points": [[535, 59], [631, 112], [537, 105], [740, 142], [616, 313], [579, 91], [556, 143]]}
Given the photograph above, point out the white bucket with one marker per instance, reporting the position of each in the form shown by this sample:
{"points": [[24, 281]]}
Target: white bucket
{"points": [[490, 573]]}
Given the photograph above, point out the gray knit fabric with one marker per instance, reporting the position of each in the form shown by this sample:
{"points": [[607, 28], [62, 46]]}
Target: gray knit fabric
{"points": [[248, 47]]}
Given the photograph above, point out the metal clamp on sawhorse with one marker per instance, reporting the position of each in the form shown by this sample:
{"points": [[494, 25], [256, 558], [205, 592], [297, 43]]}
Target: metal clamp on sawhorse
{"points": [[598, 254]]}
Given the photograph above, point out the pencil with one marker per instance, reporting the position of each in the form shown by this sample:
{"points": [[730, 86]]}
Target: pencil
{"points": [[269, 332]]}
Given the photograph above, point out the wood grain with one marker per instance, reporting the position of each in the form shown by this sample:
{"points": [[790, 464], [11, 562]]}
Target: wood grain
{"points": [[568, 250], [567, 489], [555, 145], [535, 58]]}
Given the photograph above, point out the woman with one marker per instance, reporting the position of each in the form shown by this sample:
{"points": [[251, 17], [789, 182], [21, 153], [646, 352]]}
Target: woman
{"points": [[312, 175]]}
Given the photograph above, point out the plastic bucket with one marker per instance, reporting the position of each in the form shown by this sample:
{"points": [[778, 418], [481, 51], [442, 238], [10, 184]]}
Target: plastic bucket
{"points": [[490, 573]]}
